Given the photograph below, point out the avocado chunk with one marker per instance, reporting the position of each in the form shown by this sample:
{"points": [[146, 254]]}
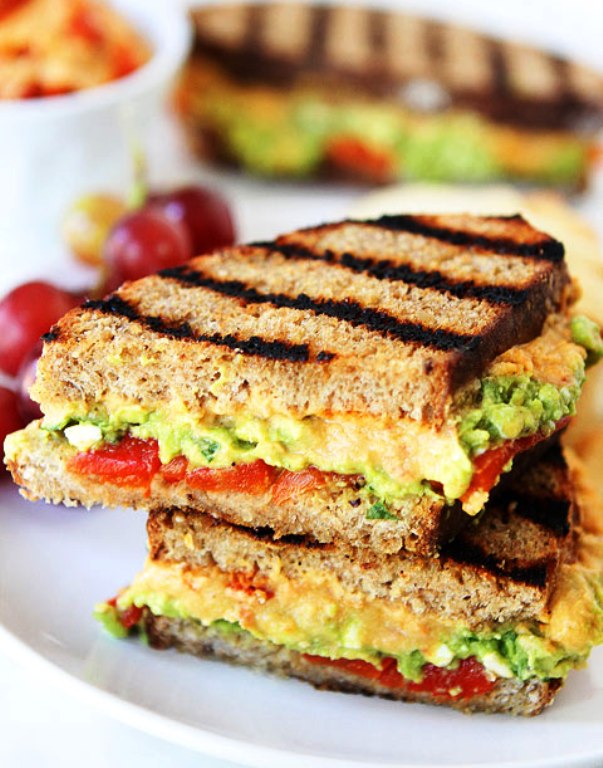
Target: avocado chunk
{"points": [[588, 334]]}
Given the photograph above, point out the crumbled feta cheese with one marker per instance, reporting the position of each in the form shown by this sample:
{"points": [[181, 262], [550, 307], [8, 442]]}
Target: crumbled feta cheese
{"points": [[83, 436], [494, 663], [442, 656]]}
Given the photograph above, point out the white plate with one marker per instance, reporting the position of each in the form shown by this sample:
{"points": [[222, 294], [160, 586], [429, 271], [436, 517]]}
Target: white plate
{"points": [[56, 563]]}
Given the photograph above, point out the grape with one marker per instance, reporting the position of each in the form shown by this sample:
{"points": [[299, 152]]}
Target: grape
{"points": [[9, 419], [28, 409], [144, 242], [87, 224], [204, 213], [25, 314]]}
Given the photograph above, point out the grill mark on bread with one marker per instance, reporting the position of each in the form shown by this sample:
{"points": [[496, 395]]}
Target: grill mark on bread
{"points": [[384, 269], [52, 335], [562, 78], [316, 57], [375, 320], [498, 67], [272, 349], [546, 249], [551, 513], [434, 46], [376, 31], [254, 19], [535, 574]]}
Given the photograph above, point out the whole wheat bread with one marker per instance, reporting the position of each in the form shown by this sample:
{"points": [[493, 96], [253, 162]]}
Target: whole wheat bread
{"points": [[501, 568], [549, 480], [508, 696], [334, 512], [387, 317]]}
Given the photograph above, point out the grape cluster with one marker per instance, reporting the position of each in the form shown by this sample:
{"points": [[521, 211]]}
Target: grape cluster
{"points": [[124, 245]]}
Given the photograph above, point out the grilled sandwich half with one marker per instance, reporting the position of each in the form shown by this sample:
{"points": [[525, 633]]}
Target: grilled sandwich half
{"points": [[291, 89], [494, 624], [365, 380]]}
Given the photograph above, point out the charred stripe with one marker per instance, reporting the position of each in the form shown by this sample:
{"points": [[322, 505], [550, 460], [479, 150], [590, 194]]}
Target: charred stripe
{"points": [[52, 335], [467, 553], [350, 311], [316, 54], [434, 43], [546, 249], [551, 513], [377, 21], [383, 269], [271, 349], [255, 18], [499, 69]]}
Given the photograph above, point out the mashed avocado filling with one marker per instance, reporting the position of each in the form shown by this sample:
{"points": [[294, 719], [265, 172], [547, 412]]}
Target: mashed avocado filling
{"points": [[511, 407], [271, 134], [509, 403], [315, 614], [383, 453]]}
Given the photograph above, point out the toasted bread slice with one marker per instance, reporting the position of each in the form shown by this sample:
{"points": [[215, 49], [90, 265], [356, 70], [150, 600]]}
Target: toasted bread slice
{"points": [[507, 696], [361, 351], [516, 618], [501, 568], [387, 317]]}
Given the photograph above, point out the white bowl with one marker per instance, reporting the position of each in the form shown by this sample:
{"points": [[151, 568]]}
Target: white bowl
{"points": [[53, 150]]}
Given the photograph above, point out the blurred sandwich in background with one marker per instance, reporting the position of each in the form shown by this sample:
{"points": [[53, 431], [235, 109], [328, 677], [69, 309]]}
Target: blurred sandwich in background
{"points": [[300, 90]]}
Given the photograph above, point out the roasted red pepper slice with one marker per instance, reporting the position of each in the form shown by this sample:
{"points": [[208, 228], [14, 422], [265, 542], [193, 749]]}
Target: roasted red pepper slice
{"points": [[175, 470], [130, 616], [466, 681], [131, 463], [354, 155], [256, 478], [290, 484], [488, 466]]}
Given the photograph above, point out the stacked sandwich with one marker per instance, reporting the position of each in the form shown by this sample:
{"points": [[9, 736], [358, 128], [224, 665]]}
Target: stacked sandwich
{"points": [[347, 442], [292, 89]]}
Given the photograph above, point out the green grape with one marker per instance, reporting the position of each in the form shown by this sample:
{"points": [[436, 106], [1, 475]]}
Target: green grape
{"points": [[87, 224]]}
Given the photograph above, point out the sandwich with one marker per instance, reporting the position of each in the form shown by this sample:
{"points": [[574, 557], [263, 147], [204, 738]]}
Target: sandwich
{"points": [[301, 90], [347, 443], [366, 380], [494, 624]]}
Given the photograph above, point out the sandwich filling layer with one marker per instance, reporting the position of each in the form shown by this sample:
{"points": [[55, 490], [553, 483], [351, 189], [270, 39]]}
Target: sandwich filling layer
{"points": [[315, 614], [526, 394]]}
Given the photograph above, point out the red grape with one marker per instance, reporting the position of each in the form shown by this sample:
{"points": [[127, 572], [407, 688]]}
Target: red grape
{"points": [[144, 242], [25, 314], [28, 408], [204, 213], [9, 418]]}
